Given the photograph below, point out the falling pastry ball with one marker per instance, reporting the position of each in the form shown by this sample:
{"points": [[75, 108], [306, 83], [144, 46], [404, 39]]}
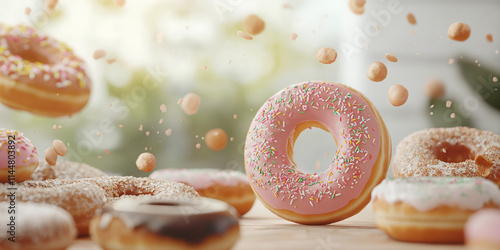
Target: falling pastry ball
{"points": [[59, 147], [190, 103], [326, 55], [434, 88], [398, 95], [254, 25], [377, 71], [357, 6], [216, 139], [459, 31], [390, 57], [411, 19], [146, 162], [51, 156]]}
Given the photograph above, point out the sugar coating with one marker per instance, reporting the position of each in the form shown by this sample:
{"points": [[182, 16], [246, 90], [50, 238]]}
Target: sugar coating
{"points": [[427, 193], [415, 154], [37, 223], [65, 170], [201, 178]]}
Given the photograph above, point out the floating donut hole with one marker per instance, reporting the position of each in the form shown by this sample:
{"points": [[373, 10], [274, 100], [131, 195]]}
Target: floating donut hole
{"points": [[453, 152], [30, 52], [314, 150]]}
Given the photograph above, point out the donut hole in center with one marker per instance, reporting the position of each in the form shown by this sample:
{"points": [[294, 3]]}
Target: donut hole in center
{"points": [[453, 153], [30, 52], [312, 151]]}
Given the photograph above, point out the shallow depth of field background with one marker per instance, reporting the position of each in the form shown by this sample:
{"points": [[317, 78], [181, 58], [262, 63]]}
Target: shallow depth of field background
{"points": [[201, 53]]}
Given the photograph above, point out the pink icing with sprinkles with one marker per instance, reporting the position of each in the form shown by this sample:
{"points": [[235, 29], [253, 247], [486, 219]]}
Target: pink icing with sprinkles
{"points": [[272, 173], [26, 153], [61, 67]]}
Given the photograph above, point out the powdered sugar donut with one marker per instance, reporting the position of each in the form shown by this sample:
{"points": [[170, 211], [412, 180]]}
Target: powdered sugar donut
{"points": [[40, 74], [18, 156], [65, 170], [458, 151], [360, 163], [226, 185], [36, 227], [431, 209]]}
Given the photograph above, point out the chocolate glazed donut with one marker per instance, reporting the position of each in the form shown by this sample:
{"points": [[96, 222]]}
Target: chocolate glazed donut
{"points": [[202, 223]]}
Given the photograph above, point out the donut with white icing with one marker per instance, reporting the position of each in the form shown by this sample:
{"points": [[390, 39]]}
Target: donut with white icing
{"points": [[201, 223], [431, 209], [360, 163], [457, 151], [18, 156], [40, 74], [225, 185], [36, 227], [482, 230]]}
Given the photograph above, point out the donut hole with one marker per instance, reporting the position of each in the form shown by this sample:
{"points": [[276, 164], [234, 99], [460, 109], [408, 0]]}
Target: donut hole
{"points": [[30, 51], [162, 203], [312, 147], [453, 153]]}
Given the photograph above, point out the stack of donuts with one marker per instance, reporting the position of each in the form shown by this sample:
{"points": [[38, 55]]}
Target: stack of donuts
{"points": [[62, 201], [443, 176]]}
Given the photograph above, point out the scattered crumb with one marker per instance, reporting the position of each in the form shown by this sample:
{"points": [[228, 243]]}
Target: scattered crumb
{"points": [[413, 32], [287, 6], [146, 162], [147, 133], [235, 116], [198, 146], [244, 35], [391, 58], [398, 95], [216, 139], [107, 152], [190, 103], [140, 127], [411, 19], [448, 104], [489, 38], [121, 126], [119, 3], [54, 127], [434, 88], [356, 7], [98, 54], [254, 25], [293, 37], [451, 61], [160, 121], [168, 132], [204, 67], [27, 11], [99, 134], [99, 157], [163, 108], [452, 115], [59, 147], [377, 71], [326, 55], [231, 139], [50, 5], [51, 156], [111, 61], [495, 79], [459, 31]]}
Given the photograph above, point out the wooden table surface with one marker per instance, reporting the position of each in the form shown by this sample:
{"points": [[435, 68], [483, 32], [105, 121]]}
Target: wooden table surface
{"points": [[261, 229]]}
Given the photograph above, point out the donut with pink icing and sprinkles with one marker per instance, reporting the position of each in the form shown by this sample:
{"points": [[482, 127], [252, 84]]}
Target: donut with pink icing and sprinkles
{"points": [[18, 156], [359, 164], [39, 74]]}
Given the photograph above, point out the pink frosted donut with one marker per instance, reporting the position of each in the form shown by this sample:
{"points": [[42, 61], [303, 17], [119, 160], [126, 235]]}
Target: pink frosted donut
{"points": [[482, 230], [40, 74], [226, 185], [18, 156], [360, 163]]}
